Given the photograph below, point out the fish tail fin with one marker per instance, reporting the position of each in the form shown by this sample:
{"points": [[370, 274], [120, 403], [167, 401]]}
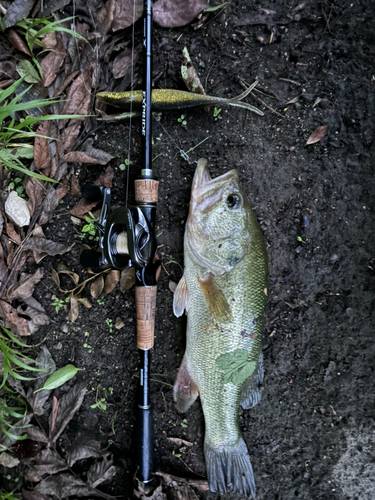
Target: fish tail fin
{"points": [[230, 471], [236, 101]]}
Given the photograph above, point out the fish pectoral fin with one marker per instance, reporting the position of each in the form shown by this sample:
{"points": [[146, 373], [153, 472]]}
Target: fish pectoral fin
{"points": [[181, 298], [216, 302], [185, 390]]}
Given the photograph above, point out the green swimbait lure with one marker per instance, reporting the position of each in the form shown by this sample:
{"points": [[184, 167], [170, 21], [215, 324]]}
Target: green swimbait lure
{"points": [[169, 99]]}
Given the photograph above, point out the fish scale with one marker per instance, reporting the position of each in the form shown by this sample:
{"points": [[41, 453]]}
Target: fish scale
{"points": [[223, 290]]}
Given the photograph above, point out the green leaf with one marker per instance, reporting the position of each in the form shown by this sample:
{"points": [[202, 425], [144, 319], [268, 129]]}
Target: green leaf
{"points": [[236, 366], [213, 9], [59, 378], [26, 70]]}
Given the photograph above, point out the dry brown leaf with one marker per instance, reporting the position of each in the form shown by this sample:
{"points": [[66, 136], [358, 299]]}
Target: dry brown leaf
{"points": [[42, 247], [97, 287], [62, 189], [4, 84], [48, 40], [18, 42], [317, 135], [190, 76], [175, 13], [18, 9], [179, 441], [292, 101], [65, 84], [79, 157], [85, 302], [83, 207], [106, 17], [70, 134], [111, 281], [75, 188], [105, 179], [79, 96], [119, 323], [127, 279], [52, 62], [10, 314], [123, 16], [51, 201], [102, 157], [24, 288], [42, 156], [74, 309], [36, 194], [123, 62], [12, 233]]}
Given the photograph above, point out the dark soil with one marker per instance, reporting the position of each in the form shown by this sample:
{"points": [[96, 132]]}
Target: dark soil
{"points": [[312, 435]]}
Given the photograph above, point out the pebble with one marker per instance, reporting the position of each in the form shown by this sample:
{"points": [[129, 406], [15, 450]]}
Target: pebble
{"points": [[349, 312], [17, 210], [65, 328], [58, 346]]}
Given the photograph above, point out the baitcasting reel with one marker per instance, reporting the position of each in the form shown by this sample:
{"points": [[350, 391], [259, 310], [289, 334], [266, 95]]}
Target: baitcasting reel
{"points": [[127, 235]]}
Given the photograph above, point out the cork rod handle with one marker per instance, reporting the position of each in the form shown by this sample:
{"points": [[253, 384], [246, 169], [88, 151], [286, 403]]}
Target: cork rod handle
{"points": [[145, 300]]}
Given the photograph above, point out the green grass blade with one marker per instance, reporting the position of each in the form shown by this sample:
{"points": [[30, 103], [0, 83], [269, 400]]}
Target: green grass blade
{"points": [[9, 91]]}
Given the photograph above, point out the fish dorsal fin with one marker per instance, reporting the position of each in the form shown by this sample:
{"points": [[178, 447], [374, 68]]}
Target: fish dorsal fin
{"points": [[181, 298], [216, 302]]}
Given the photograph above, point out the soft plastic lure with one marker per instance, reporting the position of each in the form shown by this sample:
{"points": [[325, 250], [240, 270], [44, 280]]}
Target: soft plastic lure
{"points": [[169, 99]]}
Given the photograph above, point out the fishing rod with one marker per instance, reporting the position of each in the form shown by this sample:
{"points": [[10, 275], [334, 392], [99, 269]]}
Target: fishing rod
{"points": [[127, 239]]}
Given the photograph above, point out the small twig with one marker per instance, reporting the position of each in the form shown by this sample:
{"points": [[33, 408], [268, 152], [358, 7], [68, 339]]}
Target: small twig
{"points": [[290, 81], [262, 102]]}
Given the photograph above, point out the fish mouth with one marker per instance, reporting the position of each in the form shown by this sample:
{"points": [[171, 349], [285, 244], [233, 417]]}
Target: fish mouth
{"points": [[203, 183]]}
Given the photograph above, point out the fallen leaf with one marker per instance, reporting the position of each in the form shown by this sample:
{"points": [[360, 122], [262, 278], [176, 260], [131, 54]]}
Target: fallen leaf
{"points": [[100, 471], [42, 247], [127, 279], [70, 403], [317, 135], [75, 188], [85, 302], [102, 156], [12, 233], [63, 269], [79, 96], [65, 483], [83, 447], [35, 193], [175, 13], [52, 62], [10, 314], [179, 442], [106, 17], [18, 10], [70, 134], [48, 462], [34, 495], [111, 280], [27, 71], [36, 434], [65, 83], [42, 156], [51, 201], [18, 42], [97, 287], [122, 63], [83, 207], [200, 484], [190, 76], [74, 309], [123, 15], [37, 400], [105, 179], [48, 40], [58, 378], [9, 461], [119, 323], [79, 157], [23, 288], [292, 101]]}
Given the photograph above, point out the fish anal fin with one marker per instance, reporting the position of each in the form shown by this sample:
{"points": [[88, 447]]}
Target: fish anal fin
{"points": [[251, 392], [185, 390], [181, 298], [216, 302]]}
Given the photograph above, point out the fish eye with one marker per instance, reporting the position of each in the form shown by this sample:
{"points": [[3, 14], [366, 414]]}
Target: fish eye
{"points": [[233, 201]]}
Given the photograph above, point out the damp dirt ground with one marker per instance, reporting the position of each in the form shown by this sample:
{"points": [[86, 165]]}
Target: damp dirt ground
{"points": [[312, 436]]}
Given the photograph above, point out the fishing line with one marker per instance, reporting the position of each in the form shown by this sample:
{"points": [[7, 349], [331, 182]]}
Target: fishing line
{"points": [[131, 108], [183, 153]]}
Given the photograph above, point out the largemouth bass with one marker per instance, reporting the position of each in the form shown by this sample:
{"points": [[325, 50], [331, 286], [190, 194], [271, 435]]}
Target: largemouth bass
{"points": [[223, 290], [169, 99]]}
